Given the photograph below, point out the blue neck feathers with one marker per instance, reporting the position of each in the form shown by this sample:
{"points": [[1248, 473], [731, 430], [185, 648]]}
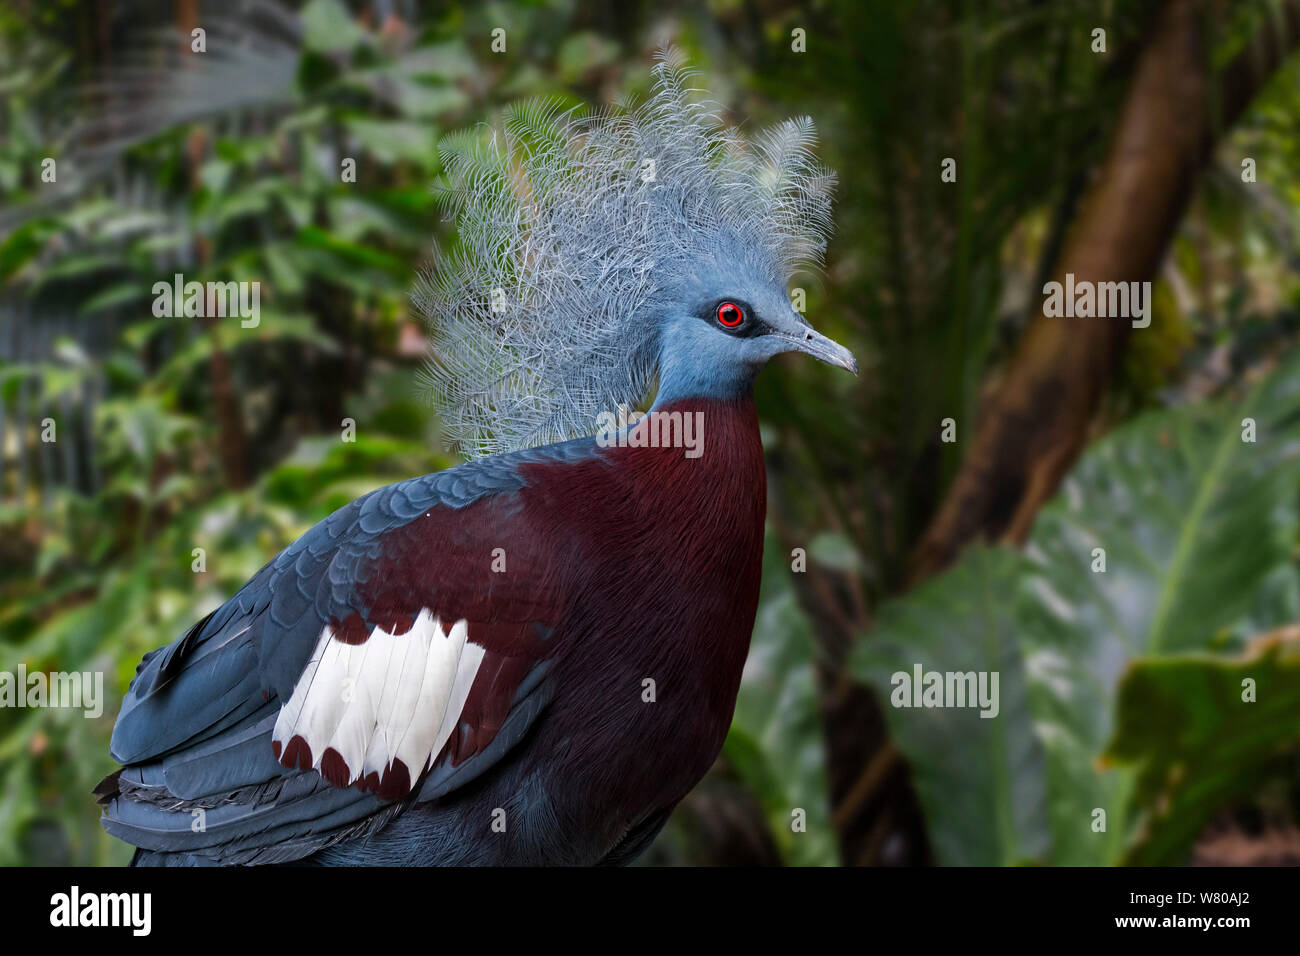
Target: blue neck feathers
{"points": [[696, 362]]}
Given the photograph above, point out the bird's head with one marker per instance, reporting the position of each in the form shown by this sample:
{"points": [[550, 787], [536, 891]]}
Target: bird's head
{"points": [[603, 259], [722, 320]]}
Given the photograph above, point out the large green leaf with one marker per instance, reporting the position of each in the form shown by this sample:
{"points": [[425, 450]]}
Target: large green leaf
{"points": [[775, 741], [1196, 528], [980, 779], [1201, 731], [1194, 522]]}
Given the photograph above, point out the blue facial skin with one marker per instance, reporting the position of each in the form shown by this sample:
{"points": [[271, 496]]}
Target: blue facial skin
{"points": [[699, 357]]}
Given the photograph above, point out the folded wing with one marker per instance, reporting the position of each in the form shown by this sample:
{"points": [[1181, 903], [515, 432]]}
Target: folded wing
{"points": [[377, 662]]}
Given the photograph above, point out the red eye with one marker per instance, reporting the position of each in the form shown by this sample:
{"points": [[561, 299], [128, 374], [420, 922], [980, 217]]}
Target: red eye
{"points": [[730, 315]]}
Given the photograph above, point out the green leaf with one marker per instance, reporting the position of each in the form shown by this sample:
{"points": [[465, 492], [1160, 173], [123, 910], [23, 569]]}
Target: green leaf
{"points": [[352, 219], [1195, 523], [449, 61], [413, 97], [327, 26], [980, 779], [1198, 740], [1196, 529], [394, 140], [25, 242], [286, 277], [114, 295], [835, 550], [315, 238], [775, 741], [77, 266], [585, 53]]}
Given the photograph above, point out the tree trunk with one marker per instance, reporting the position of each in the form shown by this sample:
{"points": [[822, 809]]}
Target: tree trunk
{"points": [[1034, 426]]}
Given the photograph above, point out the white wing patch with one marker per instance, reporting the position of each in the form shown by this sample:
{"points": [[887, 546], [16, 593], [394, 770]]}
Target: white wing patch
{"points": [[376, 714]]}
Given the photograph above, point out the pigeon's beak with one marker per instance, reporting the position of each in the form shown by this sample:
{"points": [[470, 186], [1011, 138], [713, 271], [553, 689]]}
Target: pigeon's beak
{"points": [[813, 343]]}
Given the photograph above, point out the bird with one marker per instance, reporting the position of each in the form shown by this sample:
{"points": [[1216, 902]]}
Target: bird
{"points": [[532, 657]]}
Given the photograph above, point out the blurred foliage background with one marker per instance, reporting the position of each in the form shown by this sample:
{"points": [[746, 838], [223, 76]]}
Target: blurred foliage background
{"points": [[1121, 689]]}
